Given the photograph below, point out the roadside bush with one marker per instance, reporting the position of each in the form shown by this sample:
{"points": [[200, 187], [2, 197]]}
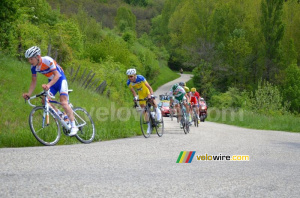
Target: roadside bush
{"points": [[291, 87], [268, 100], [233, 98]]}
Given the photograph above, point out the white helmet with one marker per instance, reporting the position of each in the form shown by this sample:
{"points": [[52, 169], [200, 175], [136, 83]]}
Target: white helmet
{"points": [[33, 51], [131, 72]]}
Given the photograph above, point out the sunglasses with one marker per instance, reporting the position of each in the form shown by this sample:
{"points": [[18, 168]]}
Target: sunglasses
{"points": [[130, 76]]}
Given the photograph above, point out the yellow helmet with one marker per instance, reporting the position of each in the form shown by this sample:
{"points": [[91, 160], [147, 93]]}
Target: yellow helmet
{"points": [[186, 89], [193, 89]]}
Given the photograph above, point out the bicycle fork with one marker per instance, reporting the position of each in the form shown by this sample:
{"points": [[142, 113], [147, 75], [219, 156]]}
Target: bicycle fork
{"points": [[46, 114]]}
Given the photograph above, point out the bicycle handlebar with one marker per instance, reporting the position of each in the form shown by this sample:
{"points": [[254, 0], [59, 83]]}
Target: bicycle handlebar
{"points": [[145, 99], [43, 93]]}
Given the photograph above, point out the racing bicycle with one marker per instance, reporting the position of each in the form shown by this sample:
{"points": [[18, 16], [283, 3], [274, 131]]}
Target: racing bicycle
{"points": [[148, 115], [184, 119], [172, 111], [45, 122]]}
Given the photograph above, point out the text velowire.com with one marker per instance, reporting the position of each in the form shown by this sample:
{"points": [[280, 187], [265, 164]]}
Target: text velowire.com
{"points": [[221, 157], [188, 156]]}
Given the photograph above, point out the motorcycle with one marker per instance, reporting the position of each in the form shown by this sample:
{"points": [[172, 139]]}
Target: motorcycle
{"points": [[202, 110]]}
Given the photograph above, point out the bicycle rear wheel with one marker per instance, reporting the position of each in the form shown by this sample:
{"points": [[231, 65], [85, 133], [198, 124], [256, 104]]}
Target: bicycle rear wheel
{"points": [[47, 134], [86, 126], [183, 122], [171, 113], [144, 122], [195, 119], [187, 125]]}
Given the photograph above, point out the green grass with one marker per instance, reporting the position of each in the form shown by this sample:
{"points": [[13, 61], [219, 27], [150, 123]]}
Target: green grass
{"points": [[190, 84], [252, 120], [112, 121], [166, 75]]}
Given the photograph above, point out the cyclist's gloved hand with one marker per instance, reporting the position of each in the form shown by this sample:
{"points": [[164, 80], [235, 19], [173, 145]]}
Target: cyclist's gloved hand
{"points": [[26, 96], [152, 96], [135, 98]]}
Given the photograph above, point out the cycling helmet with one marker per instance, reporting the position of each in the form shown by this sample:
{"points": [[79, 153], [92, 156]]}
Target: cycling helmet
{"points": [[201, 99], [186, 89], [33, 51], [193, 89], [174, 87], [182, 84], [131, 72]]}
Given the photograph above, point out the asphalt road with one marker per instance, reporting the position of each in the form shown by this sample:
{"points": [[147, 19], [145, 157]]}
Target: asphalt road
{"points": [[140, 167]]}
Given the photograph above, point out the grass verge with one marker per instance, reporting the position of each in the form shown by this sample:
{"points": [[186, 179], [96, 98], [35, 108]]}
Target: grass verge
{"points": [[252, 120], [166, 75]]}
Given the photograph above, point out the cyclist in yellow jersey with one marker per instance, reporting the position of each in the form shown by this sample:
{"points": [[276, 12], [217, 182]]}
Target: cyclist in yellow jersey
{"points": [[144, 90], [188, 93]]}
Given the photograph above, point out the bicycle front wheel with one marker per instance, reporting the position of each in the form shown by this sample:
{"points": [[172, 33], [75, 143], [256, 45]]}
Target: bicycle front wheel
{"points": [[85, 124], [171, 114], [159, 127], [195, 119], [46, 133], [145, 122], [183, 122]]}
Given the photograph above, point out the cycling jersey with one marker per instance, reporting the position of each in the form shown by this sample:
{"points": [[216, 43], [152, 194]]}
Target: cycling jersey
{"points": [[47, 68], [178, 93], [140, 86], [195, 97]]}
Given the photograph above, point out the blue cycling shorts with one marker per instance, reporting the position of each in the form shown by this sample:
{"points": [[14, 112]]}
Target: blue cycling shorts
{"points": [[60, 86]]}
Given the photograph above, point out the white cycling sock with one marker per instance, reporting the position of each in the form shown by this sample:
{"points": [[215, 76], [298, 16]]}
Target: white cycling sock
{"points": [[149, 128], [158, 113], [73, 124]]}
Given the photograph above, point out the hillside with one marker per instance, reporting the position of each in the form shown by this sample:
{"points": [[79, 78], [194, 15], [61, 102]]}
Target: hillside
{"points": [[105, 11]]}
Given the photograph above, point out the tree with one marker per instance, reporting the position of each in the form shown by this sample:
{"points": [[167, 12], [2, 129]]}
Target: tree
{"points": [[291, 39], [204, 79], [161, 23], [291, 87], [125, 19], [138, 2], [273, 31], [237, 51], [8, 14], [223, 22]]}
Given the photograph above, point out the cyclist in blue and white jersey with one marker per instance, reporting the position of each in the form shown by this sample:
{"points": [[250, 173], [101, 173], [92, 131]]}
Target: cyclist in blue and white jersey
{"points": [[57, 81]]}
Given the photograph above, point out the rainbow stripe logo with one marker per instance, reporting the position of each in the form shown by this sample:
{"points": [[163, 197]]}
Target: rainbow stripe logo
{"points": [[185, 156]]}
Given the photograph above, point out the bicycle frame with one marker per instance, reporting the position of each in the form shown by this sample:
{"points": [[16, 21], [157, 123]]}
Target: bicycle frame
{"points": [[147, 106], [183, 109], [146, 118], [48, 108]]}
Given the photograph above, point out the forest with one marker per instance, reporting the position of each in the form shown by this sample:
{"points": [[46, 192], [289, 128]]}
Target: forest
{"points": [[242, 53]]}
